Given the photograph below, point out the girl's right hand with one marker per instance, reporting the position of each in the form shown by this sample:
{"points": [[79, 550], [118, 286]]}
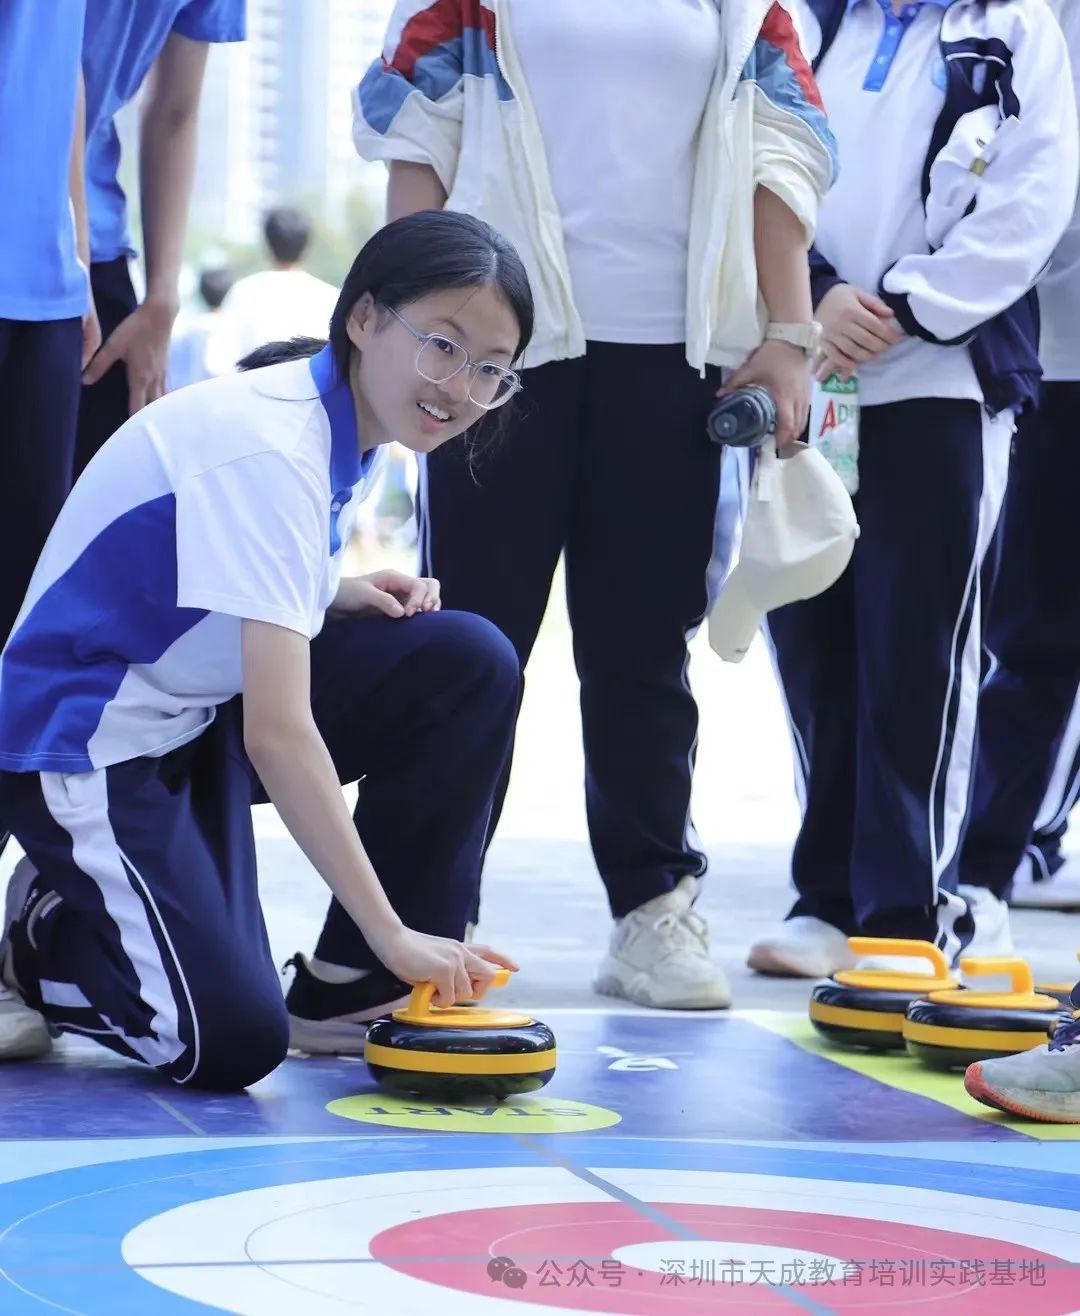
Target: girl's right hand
{"points": [[856, 327], [459, 972]]}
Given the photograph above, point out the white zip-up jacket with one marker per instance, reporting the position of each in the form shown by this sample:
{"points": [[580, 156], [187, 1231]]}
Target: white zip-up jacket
{"points": [[999, 188], [449, 92]]}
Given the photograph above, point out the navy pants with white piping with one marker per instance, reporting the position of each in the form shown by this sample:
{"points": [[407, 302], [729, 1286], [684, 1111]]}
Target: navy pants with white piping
{"points": [[881, 675], [39, 385], [1028, 772], [608, 460], [103, 407], [156, 945]]}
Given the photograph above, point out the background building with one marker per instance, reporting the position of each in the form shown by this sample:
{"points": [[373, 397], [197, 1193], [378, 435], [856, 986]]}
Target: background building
{"points": [[276, 117]]}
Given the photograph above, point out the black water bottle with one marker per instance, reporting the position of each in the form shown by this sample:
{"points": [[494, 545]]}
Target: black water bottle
{"points": [[744, 418]]}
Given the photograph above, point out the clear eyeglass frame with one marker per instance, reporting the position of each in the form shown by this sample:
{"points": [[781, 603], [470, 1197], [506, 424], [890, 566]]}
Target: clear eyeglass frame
{"points": [[510, 379]]}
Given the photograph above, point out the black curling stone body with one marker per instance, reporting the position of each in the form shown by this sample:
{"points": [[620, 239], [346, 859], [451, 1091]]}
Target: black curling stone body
{"points": [[866, 1000], [448, 1041], [979, 1024]]}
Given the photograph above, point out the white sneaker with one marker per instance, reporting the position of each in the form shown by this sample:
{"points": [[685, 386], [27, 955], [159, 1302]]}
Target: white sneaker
{"points": [[993, 935], [802, 947], [659, 957], [1062, 891], [1041, 1084], [24, 1034], [906, 964]]}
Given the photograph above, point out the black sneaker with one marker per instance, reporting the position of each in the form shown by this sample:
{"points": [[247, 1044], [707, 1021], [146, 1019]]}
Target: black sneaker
{"points": [[331, 1018]]}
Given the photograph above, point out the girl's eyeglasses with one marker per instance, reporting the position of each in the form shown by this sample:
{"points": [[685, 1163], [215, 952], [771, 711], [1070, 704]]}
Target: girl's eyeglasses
{"points": [[439, 359]]}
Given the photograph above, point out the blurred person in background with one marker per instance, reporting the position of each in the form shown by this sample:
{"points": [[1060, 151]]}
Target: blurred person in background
{"points": [[161, 47], [279, 303], [189, 347], [659, 164]]}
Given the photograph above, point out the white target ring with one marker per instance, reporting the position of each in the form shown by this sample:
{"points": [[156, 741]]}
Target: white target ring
{"points": [[308, 1246]]}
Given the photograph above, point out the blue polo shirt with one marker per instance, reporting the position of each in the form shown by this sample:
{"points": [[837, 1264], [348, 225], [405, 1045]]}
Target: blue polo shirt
{"points": [[121, 42], [227, 500], [40, 276]]}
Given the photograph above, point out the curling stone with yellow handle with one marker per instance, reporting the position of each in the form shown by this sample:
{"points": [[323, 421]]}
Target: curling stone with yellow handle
{"points": [[454, 1053], [953, 1029], [865, 1008]]}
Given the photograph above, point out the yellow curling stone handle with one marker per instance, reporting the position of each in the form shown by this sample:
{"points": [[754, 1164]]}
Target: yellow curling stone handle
{"points": [[421, 1011], [1020, 996], [884, 980]]}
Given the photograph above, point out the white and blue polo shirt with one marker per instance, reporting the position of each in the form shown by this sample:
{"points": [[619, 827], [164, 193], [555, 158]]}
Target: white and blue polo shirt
{"points": [[883, 83], [121, 42], [231, 499]]}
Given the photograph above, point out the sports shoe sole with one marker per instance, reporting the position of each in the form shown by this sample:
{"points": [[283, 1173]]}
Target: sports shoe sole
{"points": [[29, 1039], [336, 1037], [330, 1037], [776, 964], [610, 984], [977, 1087], [1062, 904]]}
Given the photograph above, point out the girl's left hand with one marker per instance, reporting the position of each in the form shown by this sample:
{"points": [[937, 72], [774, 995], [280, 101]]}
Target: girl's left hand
{"points": [[388, 594], [784, 370]]}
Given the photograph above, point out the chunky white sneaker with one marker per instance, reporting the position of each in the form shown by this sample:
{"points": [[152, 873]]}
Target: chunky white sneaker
{"points": [[905, 964], [993, 935], [659, 957], [802, 947], [1042, 1084], [1062, 891], [24, 1034]]}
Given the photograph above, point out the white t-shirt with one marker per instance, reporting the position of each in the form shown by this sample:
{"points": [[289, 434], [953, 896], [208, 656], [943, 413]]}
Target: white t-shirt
{"points": [[226, 500], [874, 213], [187, 352], [265, 308], [620, 89]]}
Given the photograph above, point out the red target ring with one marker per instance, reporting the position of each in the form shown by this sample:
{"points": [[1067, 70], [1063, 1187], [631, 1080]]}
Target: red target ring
{"points": [[903, 1268]]}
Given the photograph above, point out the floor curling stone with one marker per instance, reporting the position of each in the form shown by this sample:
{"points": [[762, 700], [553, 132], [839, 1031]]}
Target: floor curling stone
{"points": [[953, 1029], [865, 1008], [459, 1054]]}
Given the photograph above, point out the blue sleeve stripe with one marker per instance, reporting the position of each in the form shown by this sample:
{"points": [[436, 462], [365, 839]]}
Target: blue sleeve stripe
{"points": [[384, 90], [770, 69]]}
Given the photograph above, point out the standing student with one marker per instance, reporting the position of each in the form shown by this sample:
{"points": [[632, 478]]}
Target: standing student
{"points": [[664, 210], [958, 119], [48, 329], [43, 286], [1029, 748], [161, 47], [171, 665], [188, 350], [280, 302]]}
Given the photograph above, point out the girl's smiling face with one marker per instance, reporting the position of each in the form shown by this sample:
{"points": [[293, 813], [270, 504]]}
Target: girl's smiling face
{"points": [[394, 401]]}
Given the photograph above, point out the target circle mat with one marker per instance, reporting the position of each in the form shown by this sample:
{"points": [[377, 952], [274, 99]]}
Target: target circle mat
{"points": [[402, 1226]]}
